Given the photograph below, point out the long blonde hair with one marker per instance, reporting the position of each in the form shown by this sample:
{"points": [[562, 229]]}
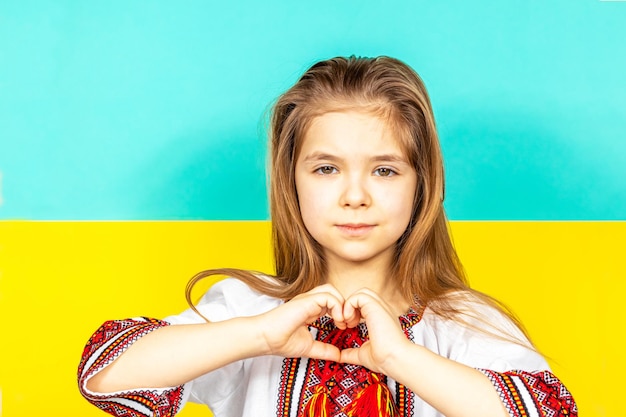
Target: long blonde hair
{"points": [[426, 266]]}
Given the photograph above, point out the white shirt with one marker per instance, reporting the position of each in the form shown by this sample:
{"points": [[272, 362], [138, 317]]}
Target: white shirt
{"points": [[251, 387]]}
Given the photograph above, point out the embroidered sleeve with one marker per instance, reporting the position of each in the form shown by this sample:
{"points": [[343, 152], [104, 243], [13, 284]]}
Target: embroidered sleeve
{"points": [[106, 344], [533, 394]]}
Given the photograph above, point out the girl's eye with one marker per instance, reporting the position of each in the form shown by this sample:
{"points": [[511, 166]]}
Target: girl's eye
{"points": [[384, 172], [326, 170]]}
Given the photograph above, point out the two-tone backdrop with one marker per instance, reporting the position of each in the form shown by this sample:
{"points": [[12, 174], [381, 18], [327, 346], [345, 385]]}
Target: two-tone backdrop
{"points": [[133, 154]]}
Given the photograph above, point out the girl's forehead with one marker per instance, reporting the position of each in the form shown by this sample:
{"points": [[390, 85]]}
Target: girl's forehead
{"points": [[351, 131]]}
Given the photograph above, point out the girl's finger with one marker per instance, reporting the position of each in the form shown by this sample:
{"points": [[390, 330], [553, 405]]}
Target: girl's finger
{"points": [[307, 308], [350, 356], [356, 356], [365, 301], [354, 309], [352, 315], [331, 300], [324, 351], [355, 306]]}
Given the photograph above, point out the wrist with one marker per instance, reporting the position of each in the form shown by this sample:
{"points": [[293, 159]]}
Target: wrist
{"points": [[242, 336], [406, 355], [258, 330]]}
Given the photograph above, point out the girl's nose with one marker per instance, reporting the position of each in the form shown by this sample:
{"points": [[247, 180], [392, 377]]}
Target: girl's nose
{"points": [[355, 193]]}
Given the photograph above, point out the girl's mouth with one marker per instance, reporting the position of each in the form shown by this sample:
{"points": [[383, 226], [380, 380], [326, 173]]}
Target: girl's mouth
{"points": [[355, 229]]}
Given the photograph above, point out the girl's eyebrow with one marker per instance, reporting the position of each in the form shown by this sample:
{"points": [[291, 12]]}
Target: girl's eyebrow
{"points": [[322, 156], [389, 158]]}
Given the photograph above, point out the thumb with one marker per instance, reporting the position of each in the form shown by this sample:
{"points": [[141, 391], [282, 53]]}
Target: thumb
{"points": [[351, 356], [324, 351]]}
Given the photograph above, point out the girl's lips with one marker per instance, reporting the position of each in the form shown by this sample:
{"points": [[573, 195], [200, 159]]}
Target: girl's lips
{"points": [[355, 230]]}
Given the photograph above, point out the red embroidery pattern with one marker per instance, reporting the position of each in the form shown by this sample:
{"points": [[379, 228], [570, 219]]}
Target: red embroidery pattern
{"points": [[107, 343], [289, 370], [548, 394], [342, 382]]}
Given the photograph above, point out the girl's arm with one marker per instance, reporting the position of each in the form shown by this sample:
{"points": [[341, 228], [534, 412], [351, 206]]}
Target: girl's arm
{"points": [[449, 386], [173, 355]]}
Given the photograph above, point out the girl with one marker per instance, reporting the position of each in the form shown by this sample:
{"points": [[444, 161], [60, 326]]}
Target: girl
{"points": [[369, 313]]}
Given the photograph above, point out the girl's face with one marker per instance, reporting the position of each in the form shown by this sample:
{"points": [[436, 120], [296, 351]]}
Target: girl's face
{"points": [[355, 188]]}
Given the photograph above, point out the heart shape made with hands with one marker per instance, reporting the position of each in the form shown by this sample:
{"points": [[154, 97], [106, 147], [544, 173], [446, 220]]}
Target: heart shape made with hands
{"points": [[360, 329], [288, 327], [351, 341]]}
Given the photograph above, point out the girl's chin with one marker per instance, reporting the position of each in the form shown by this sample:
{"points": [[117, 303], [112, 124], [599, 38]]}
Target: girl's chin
{"points": [[355, 258]]}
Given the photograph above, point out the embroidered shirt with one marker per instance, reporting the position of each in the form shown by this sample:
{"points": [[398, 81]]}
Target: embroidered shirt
{"points": [[281, 387]]}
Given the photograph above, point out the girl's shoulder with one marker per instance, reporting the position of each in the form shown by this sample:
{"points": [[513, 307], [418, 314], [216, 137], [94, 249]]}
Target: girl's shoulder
{"points": [[226, 299], [479, 335], [471, 314]]}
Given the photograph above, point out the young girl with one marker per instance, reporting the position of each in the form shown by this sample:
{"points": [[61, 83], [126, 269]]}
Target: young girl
{"points": [[369, 313]]}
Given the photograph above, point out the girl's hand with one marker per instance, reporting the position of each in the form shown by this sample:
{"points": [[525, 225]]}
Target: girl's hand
{"points": [[386, 338], [285, 330]]}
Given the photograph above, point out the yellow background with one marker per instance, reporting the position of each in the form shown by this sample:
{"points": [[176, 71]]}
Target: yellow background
{"points": [[60, 280]]}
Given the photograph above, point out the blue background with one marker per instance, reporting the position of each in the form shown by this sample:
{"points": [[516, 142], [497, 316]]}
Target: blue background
{"points": [[141, 110]]}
